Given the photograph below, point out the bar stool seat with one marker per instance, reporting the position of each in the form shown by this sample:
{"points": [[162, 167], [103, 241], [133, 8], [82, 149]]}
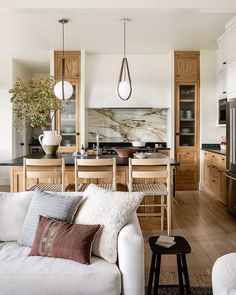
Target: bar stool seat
{"points": [[82, 186], [46, 187], [180, 249], [150, 188]]}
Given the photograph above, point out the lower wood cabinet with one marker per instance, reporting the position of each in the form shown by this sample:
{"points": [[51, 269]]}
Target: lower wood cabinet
{"points": [[214, 166], [187, 173]]}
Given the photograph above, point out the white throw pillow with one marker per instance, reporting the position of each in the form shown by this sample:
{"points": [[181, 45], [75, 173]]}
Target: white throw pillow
{"points": [[112, 210], [13, 210]]}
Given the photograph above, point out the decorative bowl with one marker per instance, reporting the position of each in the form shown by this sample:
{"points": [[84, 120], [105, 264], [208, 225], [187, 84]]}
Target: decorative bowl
{"points": [[125, 151]]}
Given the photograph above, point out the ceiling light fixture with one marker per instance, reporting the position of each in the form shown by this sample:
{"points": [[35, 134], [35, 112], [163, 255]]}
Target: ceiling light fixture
{"points": [[63, 89], [124, 86]]}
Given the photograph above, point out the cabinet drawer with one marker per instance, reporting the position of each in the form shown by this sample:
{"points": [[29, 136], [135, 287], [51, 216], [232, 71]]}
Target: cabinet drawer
{"points": [[186, 174], [187, 158]]}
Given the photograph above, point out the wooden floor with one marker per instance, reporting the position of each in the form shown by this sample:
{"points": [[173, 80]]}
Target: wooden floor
{"points": [[207, 226], [203, 221]]}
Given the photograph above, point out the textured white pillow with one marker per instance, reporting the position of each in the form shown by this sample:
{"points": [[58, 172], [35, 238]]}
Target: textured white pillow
{"points": [[13, 210], [112, 210]]}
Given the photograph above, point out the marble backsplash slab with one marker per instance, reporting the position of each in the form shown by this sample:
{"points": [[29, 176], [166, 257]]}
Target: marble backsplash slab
{"points": [[122, 125]]}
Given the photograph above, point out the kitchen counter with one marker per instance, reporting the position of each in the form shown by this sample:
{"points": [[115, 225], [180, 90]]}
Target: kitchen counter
{"points": [[69, 159], [213, 148]]}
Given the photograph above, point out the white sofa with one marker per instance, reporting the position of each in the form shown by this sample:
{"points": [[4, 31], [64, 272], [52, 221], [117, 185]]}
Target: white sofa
{"points": [[224, 275], [21, 274]]}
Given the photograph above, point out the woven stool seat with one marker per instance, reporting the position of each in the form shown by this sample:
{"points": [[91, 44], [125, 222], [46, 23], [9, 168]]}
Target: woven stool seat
{"points": [[82, 187], [46, 187], [150, 189]]}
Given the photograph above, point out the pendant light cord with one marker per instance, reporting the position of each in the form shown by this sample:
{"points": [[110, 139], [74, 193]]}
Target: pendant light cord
{"points": [[124, 39], [63, 60]]}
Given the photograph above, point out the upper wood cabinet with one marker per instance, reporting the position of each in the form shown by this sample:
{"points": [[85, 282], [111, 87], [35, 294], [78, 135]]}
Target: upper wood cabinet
{"points": [[187, 66], [72, 65]]}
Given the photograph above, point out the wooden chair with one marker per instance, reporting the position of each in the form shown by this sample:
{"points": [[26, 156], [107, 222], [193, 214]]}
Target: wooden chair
{"points": [[160, 186], [53, 169], [103, 169]]}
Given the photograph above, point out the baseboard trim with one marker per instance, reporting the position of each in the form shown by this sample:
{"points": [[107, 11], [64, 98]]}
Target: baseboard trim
{"points": [[4, 181]]}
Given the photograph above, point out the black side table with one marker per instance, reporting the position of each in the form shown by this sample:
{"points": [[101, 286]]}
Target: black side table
{"points": [[180, 249]]}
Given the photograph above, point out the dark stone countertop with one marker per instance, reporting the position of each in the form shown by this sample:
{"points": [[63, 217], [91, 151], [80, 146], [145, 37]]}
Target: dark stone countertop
{"points": [[69, 159], [213, 148]]}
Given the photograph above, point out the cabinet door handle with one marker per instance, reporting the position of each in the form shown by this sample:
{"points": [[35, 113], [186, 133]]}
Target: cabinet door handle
{"points": [[177, 133], [213, 166], [233, 178], [223, 159], [213, 156], [219, 171], [188, 153], [208, 166], [77, 133], [224, 63], [213, 180], [224, 92]]}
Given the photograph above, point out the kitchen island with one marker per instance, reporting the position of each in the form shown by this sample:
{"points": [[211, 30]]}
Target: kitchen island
{"points": [[122, 168]]}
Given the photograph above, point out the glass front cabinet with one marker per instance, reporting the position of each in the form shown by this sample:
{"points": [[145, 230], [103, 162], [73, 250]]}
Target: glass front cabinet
{"points": [[68, 117], [68, 122], [186, 115]]}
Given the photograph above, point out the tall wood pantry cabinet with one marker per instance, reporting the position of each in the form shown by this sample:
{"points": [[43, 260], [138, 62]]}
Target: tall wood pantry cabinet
{"points": [[68, 118], [187, 103]]}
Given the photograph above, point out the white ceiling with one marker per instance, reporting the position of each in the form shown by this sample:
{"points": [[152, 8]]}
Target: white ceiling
{"points": [[156, 26]]}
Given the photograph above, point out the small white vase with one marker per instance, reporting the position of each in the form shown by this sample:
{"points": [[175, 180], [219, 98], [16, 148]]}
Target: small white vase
{"points": [[223, 147], [50, 141]]}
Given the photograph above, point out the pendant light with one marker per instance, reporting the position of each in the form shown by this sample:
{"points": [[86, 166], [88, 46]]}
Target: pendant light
{"points": [[63, 89], [124, 86]]}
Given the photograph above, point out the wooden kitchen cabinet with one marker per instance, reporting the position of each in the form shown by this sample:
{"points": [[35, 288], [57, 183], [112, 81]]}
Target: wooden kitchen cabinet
{"points": [[187, 66], [72, 65], [214, 166], [187, 105], [68, 117]]}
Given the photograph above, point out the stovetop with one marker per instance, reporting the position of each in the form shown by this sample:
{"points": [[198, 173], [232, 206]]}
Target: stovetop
{"points": [[108, 147]]}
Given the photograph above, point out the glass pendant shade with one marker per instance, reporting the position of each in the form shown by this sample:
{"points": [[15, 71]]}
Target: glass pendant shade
{"points": [[124, 86], [63, 91]]}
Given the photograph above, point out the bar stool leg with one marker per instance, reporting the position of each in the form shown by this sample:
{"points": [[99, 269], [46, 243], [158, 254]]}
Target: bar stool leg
{"points": [[151, 273], [157, 274], [162, 212], [186, 277], [180, 274]]}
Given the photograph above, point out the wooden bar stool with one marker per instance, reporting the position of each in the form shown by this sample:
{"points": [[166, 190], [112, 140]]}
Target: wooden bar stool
{"points": [[90, 169], [150, 169], [180, 249], [50, 169]]}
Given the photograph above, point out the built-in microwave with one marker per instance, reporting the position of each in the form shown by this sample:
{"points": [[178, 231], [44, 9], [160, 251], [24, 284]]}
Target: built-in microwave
{"points": [[222, 111]]}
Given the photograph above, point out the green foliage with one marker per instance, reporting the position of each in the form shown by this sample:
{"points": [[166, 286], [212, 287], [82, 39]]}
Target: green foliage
{"points": [[35, 101]]}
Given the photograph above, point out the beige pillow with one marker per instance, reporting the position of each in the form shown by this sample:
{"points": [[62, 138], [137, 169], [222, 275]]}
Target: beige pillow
{"points": [[112, 210]]}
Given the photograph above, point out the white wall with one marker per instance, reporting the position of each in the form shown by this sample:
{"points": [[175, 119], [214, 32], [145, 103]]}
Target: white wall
{"points": [[210, 130], [151, 77], [5, 116]]}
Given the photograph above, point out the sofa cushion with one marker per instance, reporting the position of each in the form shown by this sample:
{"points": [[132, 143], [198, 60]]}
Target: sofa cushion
{"points": [[61, 207], [112, 210], [13, 210], [224, 275], [59, 239], [22, 274]]}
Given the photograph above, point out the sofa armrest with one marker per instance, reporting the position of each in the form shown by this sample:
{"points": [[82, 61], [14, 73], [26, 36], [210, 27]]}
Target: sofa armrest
{"points": [[131, 258]]}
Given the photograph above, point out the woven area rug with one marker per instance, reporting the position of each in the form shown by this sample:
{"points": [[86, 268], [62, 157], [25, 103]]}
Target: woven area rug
{"points": [[196, 280], [194, 291], [200, 284]]}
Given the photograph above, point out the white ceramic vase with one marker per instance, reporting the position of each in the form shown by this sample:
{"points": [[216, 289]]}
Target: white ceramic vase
{"points": [[50, 141]]}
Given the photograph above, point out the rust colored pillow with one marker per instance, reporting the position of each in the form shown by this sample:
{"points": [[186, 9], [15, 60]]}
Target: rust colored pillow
{"points": [[59, 239]]}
